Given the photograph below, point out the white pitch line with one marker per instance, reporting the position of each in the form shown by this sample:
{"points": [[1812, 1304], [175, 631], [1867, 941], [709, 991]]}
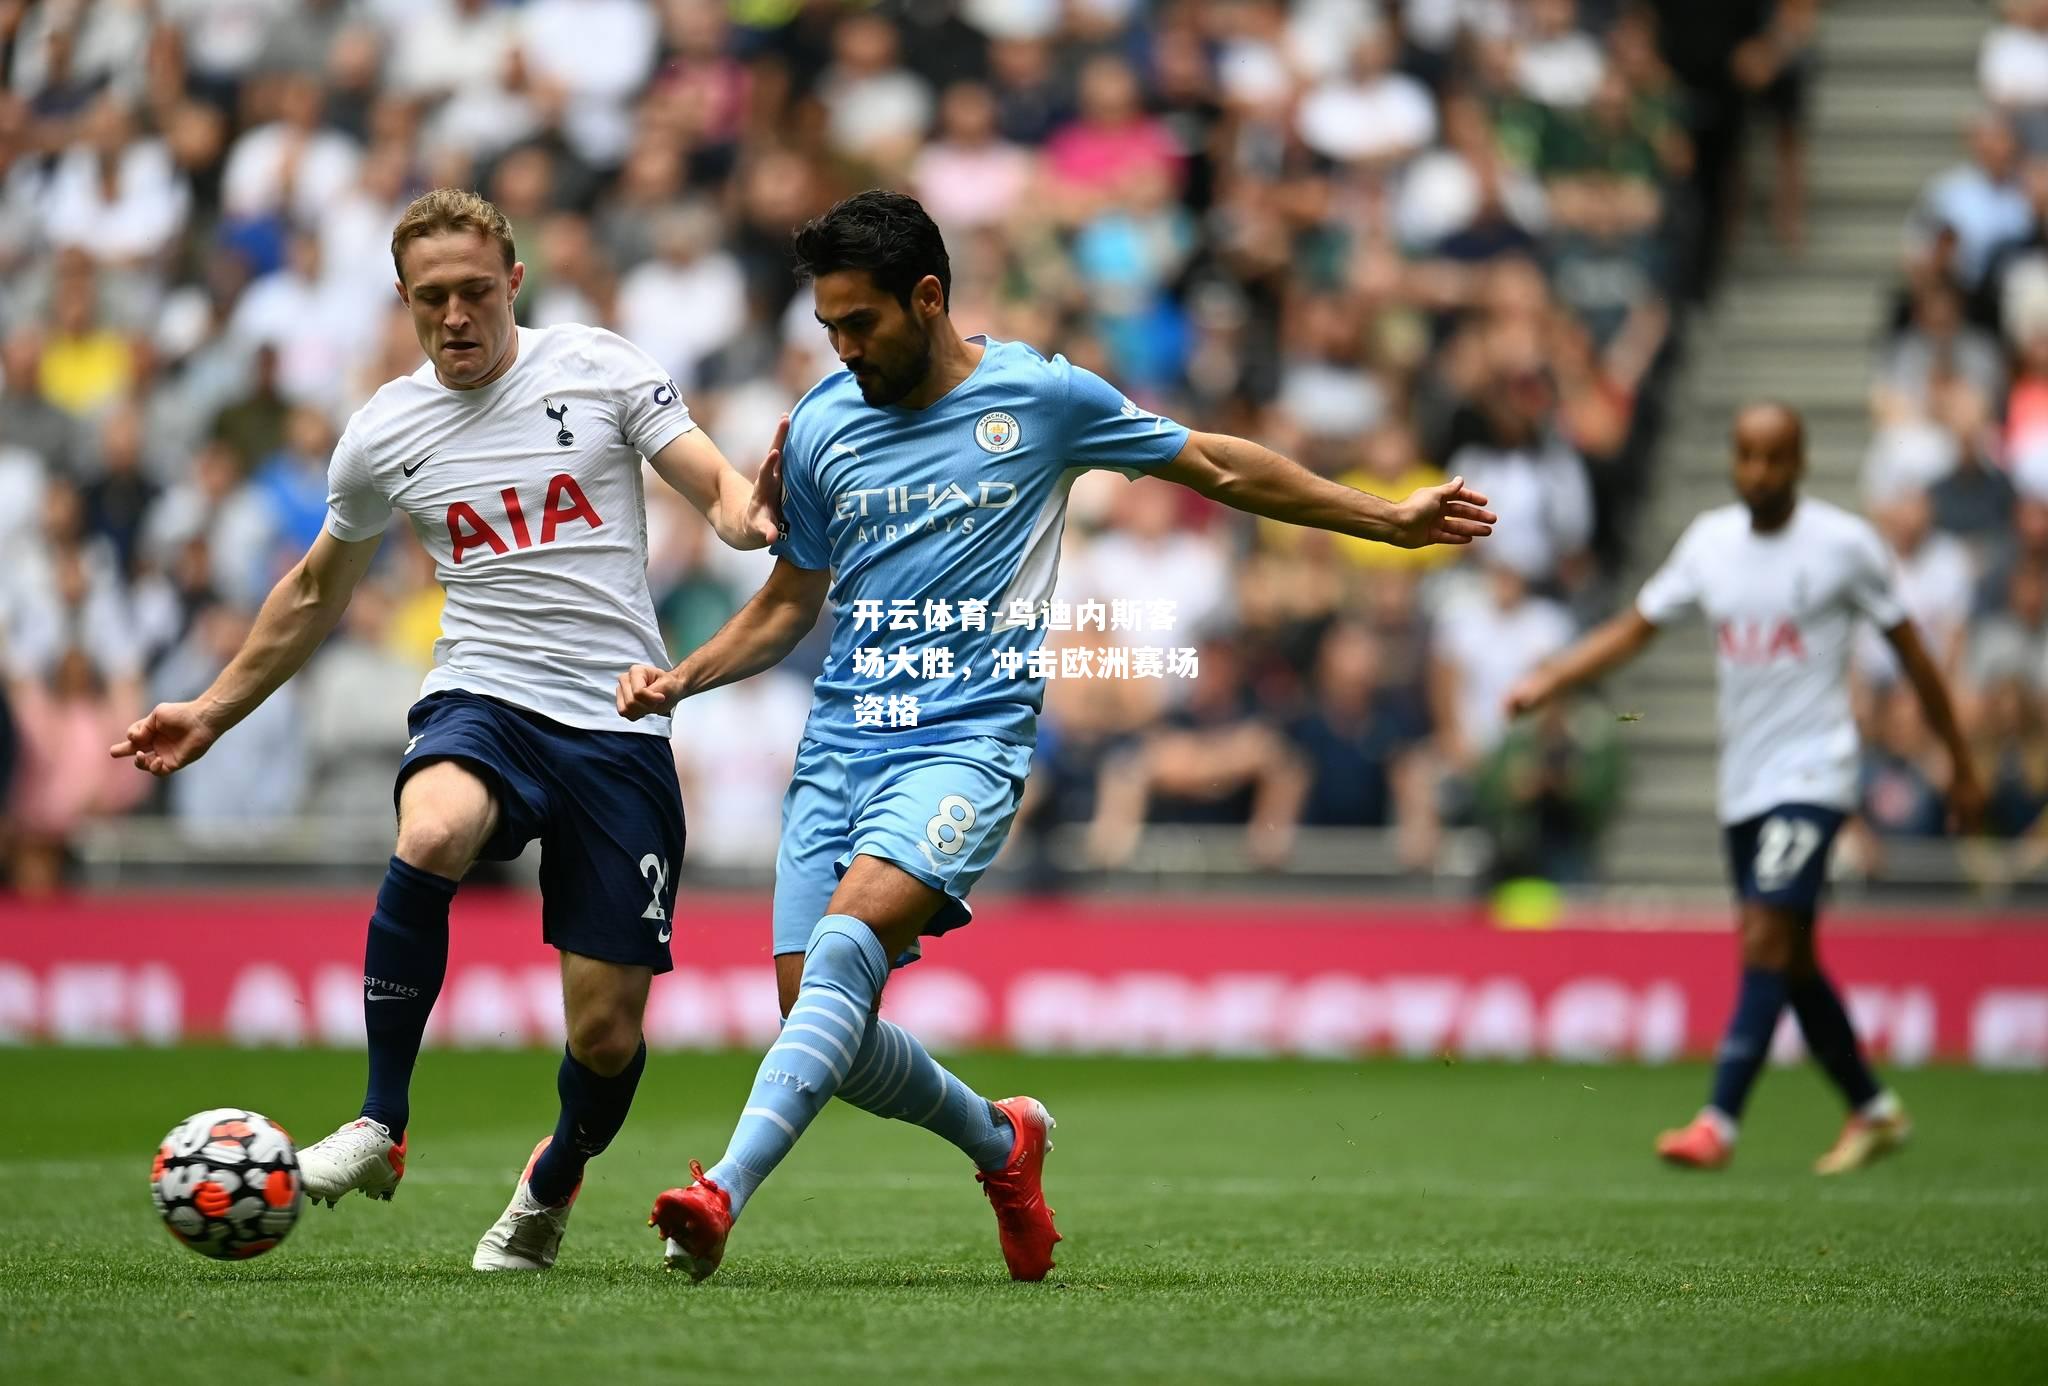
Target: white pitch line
{"points": [[1690, 1190]]}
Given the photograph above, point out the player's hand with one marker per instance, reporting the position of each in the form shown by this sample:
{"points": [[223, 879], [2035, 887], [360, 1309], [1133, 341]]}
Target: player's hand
{"points": [[1966, 799], [645, 691], [1529, 693], [170, 738], [1452, 513], [764, 523]]}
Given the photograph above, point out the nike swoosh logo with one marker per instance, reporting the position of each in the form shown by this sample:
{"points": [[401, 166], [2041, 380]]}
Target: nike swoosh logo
{"points": [[381, 996], [662, 937], [417, 465]]}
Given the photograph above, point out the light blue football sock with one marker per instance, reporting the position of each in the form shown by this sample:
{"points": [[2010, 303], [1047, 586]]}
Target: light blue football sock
{"points": [[844, 969], [892, 1076]]}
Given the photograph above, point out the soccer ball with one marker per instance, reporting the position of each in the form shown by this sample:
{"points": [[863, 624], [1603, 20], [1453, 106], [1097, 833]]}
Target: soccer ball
{"points": [[226, 1183]]}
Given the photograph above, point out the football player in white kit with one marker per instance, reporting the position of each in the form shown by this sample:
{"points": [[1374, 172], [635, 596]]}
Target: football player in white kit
{"points": [[1784, 582], [516, 454]]}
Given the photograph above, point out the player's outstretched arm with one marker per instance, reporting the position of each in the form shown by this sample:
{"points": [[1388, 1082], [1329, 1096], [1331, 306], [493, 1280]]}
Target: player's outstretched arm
{"points": [[745, 514], [1965, 791], [758, 637], [1607, 647], [1247, 477], [297, 615]]}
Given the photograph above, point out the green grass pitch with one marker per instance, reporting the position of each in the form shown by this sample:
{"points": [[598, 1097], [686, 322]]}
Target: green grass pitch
{"points": [[1332, 1222]]}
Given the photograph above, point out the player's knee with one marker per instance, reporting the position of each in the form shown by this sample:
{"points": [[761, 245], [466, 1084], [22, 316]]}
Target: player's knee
{"points": [[445, 813], [1767, 943], [437, 842], [1764, 955], [604, 1043]]}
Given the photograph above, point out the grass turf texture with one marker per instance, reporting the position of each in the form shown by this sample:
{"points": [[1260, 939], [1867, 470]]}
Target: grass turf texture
{"points": [[1225, 1222]]}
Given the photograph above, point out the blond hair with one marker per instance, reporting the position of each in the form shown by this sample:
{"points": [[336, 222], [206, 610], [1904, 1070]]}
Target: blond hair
{"points": [[450, 209]]}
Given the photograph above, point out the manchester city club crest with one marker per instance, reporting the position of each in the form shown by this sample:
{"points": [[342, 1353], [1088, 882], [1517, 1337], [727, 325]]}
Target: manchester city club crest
{"points": [[997, 432], [563, 437]]}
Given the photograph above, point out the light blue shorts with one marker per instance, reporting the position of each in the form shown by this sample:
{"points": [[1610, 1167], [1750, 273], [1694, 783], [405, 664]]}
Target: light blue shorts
{"points": [[939, 812]]}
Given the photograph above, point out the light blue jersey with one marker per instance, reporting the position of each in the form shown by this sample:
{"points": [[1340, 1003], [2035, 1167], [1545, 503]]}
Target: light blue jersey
{"points": [[936, 524]]}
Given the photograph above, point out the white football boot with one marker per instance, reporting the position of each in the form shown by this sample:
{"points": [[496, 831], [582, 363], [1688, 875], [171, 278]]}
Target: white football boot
{"points": [[360, 1157], [528, 1234]]}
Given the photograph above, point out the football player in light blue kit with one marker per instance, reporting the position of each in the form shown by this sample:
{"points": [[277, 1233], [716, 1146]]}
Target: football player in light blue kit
{"points": [[924, 490]]}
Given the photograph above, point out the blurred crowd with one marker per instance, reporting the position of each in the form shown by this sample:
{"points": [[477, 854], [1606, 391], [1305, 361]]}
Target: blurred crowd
{"points": [[1957, 473], [1395, 239]]}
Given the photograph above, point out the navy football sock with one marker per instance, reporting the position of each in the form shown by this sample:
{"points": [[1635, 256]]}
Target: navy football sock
{"points": [[1748, 1041], [403, 964], [1832, 1039], [594, 1107]]}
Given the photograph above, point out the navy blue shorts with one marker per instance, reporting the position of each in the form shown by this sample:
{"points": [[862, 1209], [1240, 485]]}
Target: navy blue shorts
{"points": [[605, 805], [1780, 858]]}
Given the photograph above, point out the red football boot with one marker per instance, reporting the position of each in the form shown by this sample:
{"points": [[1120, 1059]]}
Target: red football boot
{"points": [[1700, 1144], [1017, 1190], [695, 1221]]}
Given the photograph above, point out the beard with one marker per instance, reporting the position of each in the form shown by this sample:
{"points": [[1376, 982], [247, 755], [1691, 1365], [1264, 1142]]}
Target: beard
{"points": [[889, 384], [1772, 507]]}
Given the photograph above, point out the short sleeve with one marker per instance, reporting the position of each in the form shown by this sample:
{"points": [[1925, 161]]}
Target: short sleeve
{"points": [[1104, 429], [356, 510], [803, 509], [651, 410], [1673, 591], [1873, 588]]}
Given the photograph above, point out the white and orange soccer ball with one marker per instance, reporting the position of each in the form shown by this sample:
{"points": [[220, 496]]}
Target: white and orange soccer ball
{"points": [[226, 1183]]}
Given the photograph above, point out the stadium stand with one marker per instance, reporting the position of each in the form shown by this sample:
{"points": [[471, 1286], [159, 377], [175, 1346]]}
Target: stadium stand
{"points": [[1456, 236]]}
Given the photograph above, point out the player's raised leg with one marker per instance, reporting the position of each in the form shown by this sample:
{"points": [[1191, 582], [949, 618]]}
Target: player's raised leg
{"points": [[446, 814], [1877, 1123], [611, 840], [956, 802], [937, 814], [895, 1077], [604, 1004], [875, 915], [831, 1044]]}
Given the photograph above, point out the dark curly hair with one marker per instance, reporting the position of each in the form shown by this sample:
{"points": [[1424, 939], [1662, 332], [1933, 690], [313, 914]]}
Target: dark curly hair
{"points": [[885, 233]]}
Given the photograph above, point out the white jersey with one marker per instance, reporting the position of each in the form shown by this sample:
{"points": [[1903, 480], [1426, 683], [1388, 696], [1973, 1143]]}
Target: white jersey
{"points": [[527, 493], [1784, 608]]}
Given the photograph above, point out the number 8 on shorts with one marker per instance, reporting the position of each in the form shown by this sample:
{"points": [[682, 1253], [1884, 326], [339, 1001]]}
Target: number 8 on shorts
{"points": [[947, 830]]}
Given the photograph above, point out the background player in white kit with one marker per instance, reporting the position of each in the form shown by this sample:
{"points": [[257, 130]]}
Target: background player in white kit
{"points": [[516, 454], [1784, 582]]}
